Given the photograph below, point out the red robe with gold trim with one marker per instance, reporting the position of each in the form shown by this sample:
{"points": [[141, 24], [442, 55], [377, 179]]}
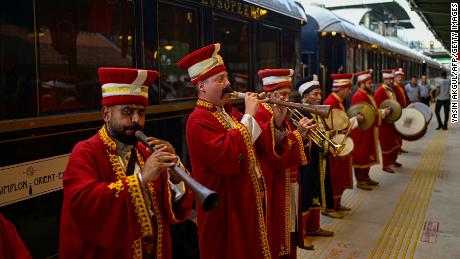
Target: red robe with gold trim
{"points": [[104, 213], [224, 159], [11, 245], [403, 99], [365, 153], [277, 165], [387, 134], [340, 166]]}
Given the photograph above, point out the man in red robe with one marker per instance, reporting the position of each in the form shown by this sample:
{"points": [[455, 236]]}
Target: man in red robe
{"points": [[11, 245], [118, 199], [402, 98], [365, 153], [340, 166], [314, 179], [388, 136], [223, 157], [280, 165]]}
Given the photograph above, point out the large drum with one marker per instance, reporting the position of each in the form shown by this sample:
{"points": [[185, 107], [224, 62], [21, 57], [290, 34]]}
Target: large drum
{"points": [[411, 125], [337, 120], [425, 109], [346, 141]]}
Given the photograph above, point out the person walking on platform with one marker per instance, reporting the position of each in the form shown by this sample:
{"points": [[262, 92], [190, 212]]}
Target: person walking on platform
{"points": [[221, 144], [365, 153], [442, 96], [341, 171], [413, 90], [388, 137], [281, 164], [314, 177], [401, 97], [425, 90], [119, 201]]}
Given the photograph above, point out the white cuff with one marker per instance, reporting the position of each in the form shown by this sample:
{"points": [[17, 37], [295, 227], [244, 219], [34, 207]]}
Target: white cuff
{"points": [[354, 123], [252, 126], [382, 113]]}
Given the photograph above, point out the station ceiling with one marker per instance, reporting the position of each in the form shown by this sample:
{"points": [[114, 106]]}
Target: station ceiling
{"points": [[436, 15]]}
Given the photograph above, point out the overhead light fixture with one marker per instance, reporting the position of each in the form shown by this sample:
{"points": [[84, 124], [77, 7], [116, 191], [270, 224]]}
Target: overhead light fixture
{"points": [[323, 33], [333, 33]]}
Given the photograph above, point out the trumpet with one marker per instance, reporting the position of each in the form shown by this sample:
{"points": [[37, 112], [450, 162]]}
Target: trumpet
{"points": [[321, 110], [207, 198], [315, 134]]}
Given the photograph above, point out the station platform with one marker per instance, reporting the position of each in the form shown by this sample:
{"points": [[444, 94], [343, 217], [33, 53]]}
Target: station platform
{"points": [[413, 213]]}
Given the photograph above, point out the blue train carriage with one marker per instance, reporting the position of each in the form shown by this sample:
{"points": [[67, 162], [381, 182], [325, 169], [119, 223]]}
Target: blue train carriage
{"points": [[331, 44], [50, 96]]}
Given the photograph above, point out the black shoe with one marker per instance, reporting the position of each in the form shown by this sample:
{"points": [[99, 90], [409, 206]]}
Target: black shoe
{"points": [[444, 128], [438, 128]]}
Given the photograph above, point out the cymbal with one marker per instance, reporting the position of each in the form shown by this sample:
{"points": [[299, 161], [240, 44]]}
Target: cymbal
{"points": [[337, 120], [396, 110], [366, 110]]}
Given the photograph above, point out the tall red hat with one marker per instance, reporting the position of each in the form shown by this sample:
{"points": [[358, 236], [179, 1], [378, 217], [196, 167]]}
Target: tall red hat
{"points": [[399, 72], [276, 78], [203, 63], [125, 85], [387, 73], [364, 76], [342, 80]]}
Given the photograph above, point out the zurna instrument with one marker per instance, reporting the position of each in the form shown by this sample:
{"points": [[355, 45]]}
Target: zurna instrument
{"points": [[207, 198]]}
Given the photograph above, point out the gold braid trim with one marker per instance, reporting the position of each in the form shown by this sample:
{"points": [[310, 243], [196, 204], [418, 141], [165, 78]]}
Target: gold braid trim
{"points": [[143, 217], [253, 165], [204, 104], [322, 173], [137, 249], [286, 248], [118, 185], [299, 139], [159, 220], [272, 128], [106, 139], [253, 168]]}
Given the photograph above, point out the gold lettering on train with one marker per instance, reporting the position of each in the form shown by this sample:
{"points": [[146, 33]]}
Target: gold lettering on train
{"points": [[236, 7]]}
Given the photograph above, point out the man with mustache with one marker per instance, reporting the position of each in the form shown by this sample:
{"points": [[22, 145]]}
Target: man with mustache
{"points": [[221, 143], [314, 178], [280, 165], [388, 137], [366, 153], [118, 199], [403, 99]]}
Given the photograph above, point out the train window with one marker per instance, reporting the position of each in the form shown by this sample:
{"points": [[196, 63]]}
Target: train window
{"points": [[291, 52], [17, 67], [74, 40], [178, 36], [234, 37], [268, 49]]}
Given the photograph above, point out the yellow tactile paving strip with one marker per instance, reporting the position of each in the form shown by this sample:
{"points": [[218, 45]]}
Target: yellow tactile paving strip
{"points": [[399, 237]]}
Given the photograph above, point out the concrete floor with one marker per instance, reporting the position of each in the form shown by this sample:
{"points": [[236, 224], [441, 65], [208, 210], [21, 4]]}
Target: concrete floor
{"points": [[411, 214]]}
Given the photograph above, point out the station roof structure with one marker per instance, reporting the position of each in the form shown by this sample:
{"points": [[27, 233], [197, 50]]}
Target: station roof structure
{"points": [[328, 21], [436, 16], [388, 11]]}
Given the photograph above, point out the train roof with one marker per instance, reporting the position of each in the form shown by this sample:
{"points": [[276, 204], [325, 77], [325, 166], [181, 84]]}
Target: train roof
{"points": [[285, 7], [329, 22]]}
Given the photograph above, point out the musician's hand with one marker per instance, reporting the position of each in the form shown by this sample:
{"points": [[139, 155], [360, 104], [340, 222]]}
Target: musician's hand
{"points": [[159, 143], [387, 111], [360, 118], [251, 102], [157, 163], [332, 133], [305, 125]]}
